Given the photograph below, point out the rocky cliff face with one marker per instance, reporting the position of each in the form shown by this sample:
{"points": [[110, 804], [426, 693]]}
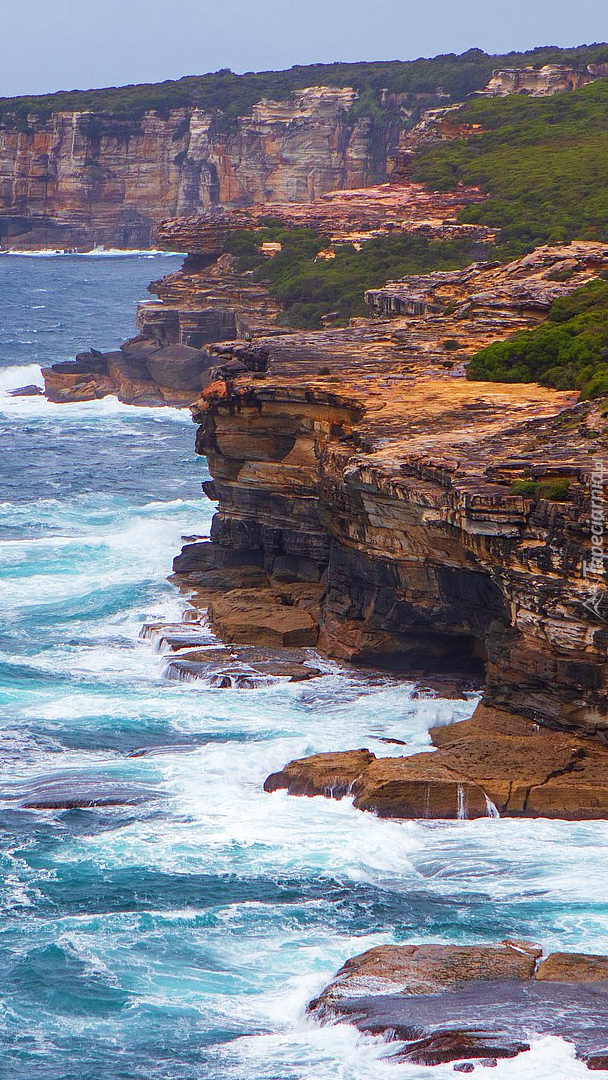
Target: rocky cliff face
{"points": [[359, 461], [207, 301], [541, 82], [81, 179]]}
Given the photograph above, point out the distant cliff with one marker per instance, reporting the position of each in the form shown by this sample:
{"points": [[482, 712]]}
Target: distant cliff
{"points": [[542, 82], [83, 168], [79, 179]]}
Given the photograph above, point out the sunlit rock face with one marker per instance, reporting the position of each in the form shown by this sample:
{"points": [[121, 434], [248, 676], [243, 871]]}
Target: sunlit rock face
{"points": [[541, 82]]}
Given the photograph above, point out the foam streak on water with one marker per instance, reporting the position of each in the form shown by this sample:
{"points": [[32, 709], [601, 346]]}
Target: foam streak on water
{"points": [[181, 936]]}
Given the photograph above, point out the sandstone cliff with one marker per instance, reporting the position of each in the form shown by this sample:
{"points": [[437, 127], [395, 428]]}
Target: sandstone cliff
{"points": [[208, 301], [80, 179], [542, 82], [360, 460]]}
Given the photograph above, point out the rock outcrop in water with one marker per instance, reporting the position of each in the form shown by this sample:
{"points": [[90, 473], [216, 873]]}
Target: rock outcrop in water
{"points": [[472, 1003], [494, 765]]}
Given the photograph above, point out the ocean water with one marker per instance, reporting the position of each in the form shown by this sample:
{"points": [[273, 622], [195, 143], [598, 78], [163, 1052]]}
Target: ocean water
{"points": [[181, 935]]}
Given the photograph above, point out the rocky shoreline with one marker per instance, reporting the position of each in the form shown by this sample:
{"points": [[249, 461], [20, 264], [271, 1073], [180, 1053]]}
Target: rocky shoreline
{"points": [[370, 510], [472, 1004]]}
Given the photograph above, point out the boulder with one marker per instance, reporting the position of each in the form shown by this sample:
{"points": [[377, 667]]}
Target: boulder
{"points": [[178, 367], [461, 1002], [137, 351]]}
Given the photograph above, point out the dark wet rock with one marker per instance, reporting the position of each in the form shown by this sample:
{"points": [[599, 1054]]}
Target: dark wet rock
{"points": [[31, 390], [72, 791], [244, 668], [469, 1004], [573, 968], [137, 351], [464, 1067], [179, 367], [156, 751]]}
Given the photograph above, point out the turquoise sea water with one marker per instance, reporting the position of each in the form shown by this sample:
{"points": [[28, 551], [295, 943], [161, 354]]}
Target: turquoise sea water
{"points": [[181, 936]]}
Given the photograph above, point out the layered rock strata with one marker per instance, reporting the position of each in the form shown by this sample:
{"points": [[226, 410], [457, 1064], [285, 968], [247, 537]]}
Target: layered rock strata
{"points": [[81, 179], [145, 371], [359, 461], [474, 1004], [344, 216], [208, 301], [541, 82]]}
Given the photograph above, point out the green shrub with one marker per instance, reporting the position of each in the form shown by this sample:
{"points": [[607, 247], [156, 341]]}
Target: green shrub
{"points": [[230, 96], [541, 161], [309, 289], [554, 490], [568, 352]]}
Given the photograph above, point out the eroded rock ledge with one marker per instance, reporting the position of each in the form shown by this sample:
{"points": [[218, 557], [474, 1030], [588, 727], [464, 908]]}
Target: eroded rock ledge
{"points": [[358, 461], [472, 1003], [495, 764]]}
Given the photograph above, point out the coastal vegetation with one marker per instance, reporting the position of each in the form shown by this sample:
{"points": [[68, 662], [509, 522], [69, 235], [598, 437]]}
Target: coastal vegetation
{"points": [[311, 287], [569, 351], [450, 76], [541, 161]]}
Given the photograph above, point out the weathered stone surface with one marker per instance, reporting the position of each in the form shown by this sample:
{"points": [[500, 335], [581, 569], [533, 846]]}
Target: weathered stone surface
{"points": [[141, 373], [344, 215], [179, 367], [493, 764], [390, 479], [530, 283], [332, 775], [31, 390], [245, 667], [68, 791], [257, 616], [541, 82], [449, 1003], [430, 969], [76, 180]]}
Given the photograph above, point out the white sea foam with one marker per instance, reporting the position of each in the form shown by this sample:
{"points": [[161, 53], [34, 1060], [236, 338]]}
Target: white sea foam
{"points": [[13, 377], [93, 253]]}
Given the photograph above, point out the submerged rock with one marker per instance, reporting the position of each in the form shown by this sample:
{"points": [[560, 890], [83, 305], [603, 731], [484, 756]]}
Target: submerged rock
{"points": [[31, 390], [69, 791], [242, 668], [482, 1002]]}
